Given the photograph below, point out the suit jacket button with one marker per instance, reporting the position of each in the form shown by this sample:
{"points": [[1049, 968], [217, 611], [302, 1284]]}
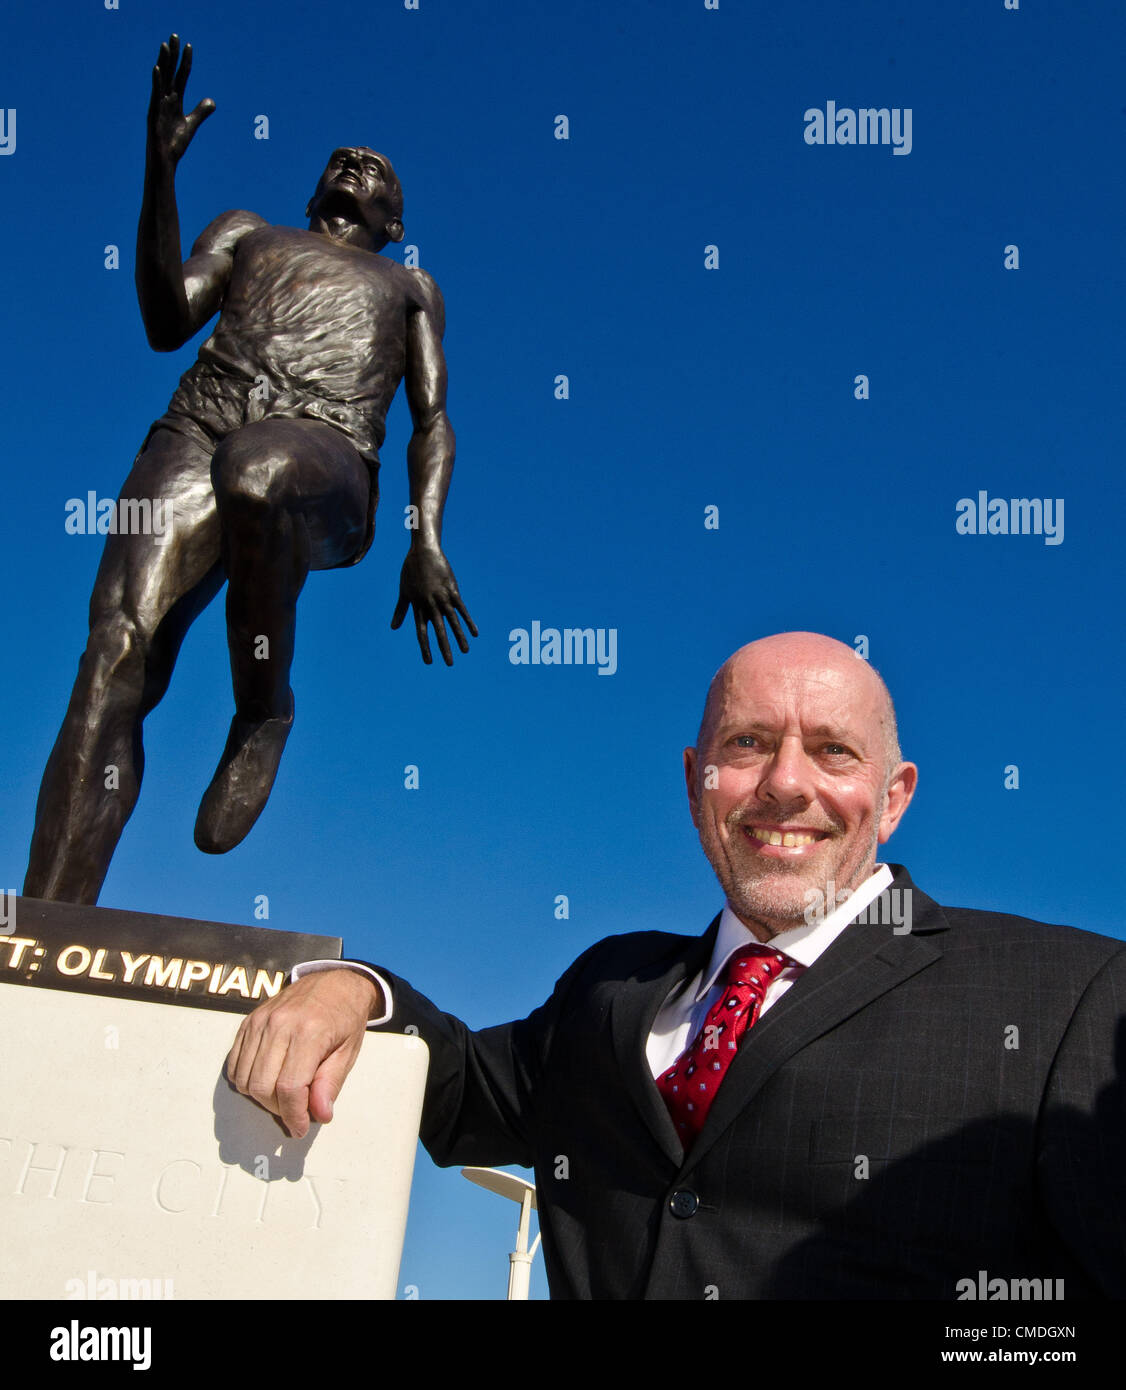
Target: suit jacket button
{"points": [[683, 1203]]}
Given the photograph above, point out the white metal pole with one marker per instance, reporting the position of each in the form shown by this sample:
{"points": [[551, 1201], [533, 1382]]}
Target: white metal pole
{"points": [[520, 1260]]}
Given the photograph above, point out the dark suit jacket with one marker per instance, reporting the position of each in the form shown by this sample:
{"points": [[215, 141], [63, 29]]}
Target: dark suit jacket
{"points": [[915, 1109]]}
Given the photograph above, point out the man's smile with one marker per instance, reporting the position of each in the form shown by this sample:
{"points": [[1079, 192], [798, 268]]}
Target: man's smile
{"points": [[795, 839]]}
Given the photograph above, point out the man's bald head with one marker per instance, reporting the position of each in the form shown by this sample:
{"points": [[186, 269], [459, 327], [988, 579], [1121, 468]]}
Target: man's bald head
{"points": [[796, 777], [787, 649]]}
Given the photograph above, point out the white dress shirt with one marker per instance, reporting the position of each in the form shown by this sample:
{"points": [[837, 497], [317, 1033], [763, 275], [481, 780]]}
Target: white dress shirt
{"points": [[683, 1013], [310, 967]]}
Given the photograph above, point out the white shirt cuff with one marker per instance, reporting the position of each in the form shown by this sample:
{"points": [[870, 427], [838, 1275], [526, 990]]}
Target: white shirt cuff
{"points": [[310, 967]]}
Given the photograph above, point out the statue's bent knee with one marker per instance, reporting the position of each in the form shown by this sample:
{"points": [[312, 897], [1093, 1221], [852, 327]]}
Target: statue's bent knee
{"points": [[252, 472]]}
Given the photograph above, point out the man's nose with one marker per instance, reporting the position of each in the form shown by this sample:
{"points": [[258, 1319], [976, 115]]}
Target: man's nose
{"points": [[788, 775]]}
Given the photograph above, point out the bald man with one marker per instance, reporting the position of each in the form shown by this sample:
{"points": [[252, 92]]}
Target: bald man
{"points": [[841, 1090]]}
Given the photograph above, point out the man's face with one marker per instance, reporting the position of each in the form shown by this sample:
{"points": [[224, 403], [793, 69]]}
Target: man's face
{"points": [[789, 788], [357, 185]]}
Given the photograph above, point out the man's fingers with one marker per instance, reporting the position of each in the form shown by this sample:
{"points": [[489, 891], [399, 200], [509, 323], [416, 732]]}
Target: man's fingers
{"points": [[254, 1044], [256, 1060], [322, 1097], [400, 613], [236, 1050], [330, 1078], [308, 1037], [283, 1072], [290, 1101], [308, 1081]]}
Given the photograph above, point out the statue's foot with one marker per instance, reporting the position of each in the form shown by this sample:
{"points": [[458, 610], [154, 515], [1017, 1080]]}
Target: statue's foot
{"points": [[242, 782]]}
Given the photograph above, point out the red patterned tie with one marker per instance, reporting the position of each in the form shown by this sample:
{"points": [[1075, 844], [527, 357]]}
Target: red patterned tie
{"points": [[691, 1085]]}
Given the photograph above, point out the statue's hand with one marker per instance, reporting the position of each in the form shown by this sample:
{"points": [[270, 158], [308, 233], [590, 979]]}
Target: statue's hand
{"points": [[427, 585], [170, 131]]}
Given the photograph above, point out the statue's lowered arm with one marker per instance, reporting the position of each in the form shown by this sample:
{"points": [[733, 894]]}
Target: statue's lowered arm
{"points": [[427, 582]]}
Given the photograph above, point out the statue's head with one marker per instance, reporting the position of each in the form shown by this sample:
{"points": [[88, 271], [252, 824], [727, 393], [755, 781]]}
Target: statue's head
{"points": [[360, 187]]}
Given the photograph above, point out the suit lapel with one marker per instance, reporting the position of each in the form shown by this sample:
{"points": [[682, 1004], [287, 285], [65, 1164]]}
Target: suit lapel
{"points": [[635, 1005], [865, 961]]}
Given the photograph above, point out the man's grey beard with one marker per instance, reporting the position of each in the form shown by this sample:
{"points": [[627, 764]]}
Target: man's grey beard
{"points": [[775, 907]]}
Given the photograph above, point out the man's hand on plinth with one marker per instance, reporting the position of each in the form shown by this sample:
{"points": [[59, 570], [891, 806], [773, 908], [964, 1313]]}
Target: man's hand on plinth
{"points": [[170, 131], [293, 1052], [427, 585]]}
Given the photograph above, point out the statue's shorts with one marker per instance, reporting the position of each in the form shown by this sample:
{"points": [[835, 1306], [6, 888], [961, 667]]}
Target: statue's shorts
{"points": [[209, 405]]}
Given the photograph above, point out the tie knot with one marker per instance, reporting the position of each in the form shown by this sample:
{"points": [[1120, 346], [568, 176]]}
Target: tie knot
{"points": [[754, 966]]}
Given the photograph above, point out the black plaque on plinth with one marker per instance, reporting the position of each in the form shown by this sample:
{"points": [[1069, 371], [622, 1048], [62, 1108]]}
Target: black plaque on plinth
{"points": [[143, 955]]}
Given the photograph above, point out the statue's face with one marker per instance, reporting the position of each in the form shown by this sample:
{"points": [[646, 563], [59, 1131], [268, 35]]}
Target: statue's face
{"points": [[360, 186]]}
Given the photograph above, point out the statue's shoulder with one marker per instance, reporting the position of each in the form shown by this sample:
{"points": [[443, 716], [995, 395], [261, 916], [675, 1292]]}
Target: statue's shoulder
{"points": [[226, 231], [423, 289]]}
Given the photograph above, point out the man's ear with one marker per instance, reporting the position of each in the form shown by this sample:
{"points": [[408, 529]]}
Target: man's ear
{"points": [[901, 789], [690, 785], [395, 230]]}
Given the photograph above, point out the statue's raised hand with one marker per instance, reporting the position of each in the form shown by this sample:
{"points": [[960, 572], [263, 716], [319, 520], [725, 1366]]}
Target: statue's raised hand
{"points": [[170, 131]]}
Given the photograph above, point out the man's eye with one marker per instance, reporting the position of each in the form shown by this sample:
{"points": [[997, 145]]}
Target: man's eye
{"points": [[745, 741]]}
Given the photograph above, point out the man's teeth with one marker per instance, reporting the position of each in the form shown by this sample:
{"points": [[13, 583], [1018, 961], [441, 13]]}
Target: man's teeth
{"points": [[775, 837]]}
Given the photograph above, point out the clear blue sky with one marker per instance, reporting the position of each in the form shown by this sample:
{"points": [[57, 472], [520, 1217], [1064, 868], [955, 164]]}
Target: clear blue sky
{"points": [[731, 387]]}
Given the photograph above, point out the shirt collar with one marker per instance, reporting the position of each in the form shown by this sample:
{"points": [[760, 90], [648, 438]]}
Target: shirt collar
{"points": [[803, 944]]}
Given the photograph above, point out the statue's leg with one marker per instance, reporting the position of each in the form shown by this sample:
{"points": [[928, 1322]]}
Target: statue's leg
{"points": [[148, 590], [292, 496]]}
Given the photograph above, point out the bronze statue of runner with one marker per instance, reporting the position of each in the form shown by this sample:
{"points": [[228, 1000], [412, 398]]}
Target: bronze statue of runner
{"points": [[268, 453]]}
